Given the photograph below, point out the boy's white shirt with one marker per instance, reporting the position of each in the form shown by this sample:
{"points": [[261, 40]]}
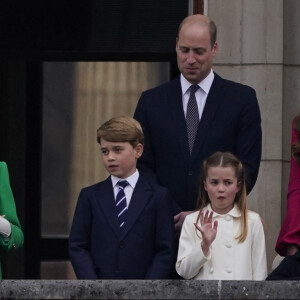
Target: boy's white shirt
{"points": [[227, 259], [132, 180]]}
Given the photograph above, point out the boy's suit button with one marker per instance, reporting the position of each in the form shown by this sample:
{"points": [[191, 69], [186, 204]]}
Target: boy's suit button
{"points": [[190, 173], [121, 245]]}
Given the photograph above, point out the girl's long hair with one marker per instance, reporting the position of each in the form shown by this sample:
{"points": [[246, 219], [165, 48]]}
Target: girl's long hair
{"points": [[226, 159]]}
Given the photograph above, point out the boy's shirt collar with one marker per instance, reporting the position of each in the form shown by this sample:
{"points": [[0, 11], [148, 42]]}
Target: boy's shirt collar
{"points": [[132, 180]]}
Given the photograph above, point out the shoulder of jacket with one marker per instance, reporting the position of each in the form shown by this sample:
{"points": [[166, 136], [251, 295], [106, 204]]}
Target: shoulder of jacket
{"points": [[253, 216], [158, 88], [193, 216], [232, 84], [97, 185]]}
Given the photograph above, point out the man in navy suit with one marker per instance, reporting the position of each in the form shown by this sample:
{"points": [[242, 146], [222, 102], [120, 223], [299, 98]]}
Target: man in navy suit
{"points": [[228, 114], [122, 227]]}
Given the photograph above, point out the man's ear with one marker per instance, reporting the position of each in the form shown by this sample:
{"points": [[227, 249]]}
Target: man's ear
{"points": [[139, 148], [215, 49]]}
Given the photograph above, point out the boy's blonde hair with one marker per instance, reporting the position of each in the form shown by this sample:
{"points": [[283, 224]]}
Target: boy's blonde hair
{"points": [[226, 159], [121, 129]]}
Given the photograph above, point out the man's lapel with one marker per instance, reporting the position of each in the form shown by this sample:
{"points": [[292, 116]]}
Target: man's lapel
{"points": [[174, 96], [213, 101]]}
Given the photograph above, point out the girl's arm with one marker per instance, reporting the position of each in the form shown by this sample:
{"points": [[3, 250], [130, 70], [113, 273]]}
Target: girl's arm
{"points": [[190, 257]]}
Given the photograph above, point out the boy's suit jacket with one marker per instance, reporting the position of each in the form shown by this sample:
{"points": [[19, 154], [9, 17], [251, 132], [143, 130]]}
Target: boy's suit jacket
{"points": [[230, 122], [143, 249], [8, 209]]}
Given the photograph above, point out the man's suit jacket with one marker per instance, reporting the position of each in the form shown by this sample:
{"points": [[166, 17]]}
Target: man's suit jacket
{"points": [[8, 209], [230, 122], [143, 249]]}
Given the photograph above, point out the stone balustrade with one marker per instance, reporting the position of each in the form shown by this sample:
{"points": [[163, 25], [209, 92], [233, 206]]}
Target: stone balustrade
{"points": [[148, 289]]}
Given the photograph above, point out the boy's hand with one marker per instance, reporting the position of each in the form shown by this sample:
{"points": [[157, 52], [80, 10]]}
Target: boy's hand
{"points": [[208, 230]]}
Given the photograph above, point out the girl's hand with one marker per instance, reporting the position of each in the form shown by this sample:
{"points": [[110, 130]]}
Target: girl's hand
{"points": [[208, 230]]}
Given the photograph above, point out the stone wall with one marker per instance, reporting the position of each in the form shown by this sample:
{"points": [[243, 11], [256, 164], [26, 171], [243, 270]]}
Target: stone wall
{"points": [[259, 46], [148, 289]]}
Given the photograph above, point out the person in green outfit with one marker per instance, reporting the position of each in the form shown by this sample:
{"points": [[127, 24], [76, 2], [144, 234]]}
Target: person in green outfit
{"points": [[11, 235]]}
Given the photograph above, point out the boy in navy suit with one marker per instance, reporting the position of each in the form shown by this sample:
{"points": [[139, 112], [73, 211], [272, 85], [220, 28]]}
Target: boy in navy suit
{"points": [[123, 226]]}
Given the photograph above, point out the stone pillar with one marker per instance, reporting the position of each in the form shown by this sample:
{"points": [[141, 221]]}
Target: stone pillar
{"points": [[250, 36], [291, 83]]}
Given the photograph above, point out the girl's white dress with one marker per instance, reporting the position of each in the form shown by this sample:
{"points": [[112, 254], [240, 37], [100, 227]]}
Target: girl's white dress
{"points": [[227, 259]]}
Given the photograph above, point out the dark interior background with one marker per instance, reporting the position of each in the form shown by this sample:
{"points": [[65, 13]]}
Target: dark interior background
{"points": [[119, 29], [35, 31]]}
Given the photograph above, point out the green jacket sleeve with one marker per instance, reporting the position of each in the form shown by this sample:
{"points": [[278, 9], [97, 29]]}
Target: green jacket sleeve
{"points": [[8, 209]]}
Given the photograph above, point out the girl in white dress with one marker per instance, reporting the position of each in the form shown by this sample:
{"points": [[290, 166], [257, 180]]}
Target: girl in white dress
{"points": [[222, 240]]}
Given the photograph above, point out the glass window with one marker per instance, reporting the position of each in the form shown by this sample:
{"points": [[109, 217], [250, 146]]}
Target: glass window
{"points": [[77, 98], [57, 270]]}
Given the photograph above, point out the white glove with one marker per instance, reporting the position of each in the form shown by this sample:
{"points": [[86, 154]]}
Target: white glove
{"points": [[5, 229]]}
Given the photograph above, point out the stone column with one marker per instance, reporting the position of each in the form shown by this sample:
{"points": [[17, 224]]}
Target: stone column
{"points": [[250, 36]]}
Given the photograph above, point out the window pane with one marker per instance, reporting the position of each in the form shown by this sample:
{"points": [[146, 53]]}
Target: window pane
{"points": [[77, 98], [57, 270]]}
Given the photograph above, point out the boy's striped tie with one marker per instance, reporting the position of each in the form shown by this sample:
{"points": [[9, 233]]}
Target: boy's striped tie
{"points": [[121, 204]]}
